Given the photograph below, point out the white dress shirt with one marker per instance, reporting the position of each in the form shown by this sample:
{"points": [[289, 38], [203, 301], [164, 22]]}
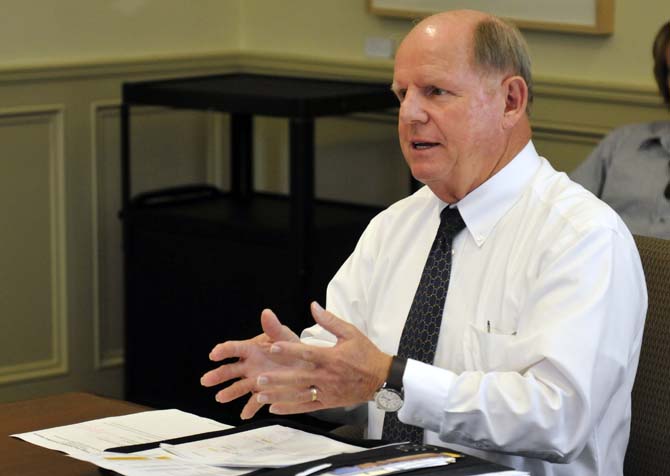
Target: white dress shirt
{"points": [[542, 322]]}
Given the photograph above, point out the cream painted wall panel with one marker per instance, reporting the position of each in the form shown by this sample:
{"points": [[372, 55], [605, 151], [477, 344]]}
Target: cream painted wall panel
{"points": [[32, 256], [270, 154], [565, 150], [93, 366], [359, 160], [45, 31], [168, 148]]}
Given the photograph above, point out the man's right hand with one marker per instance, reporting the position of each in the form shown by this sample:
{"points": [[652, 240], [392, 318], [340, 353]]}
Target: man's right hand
{"points": [[253, 358]]}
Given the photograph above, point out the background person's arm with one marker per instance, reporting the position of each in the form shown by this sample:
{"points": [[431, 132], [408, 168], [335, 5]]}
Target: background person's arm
{"points": [[592, 173]]}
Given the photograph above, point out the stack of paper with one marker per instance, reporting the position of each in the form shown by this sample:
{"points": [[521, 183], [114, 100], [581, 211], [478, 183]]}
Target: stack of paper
{"points": [[232, 455], [236, 453]]}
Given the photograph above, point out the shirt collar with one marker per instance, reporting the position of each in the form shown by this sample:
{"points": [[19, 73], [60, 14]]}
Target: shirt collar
{"points": [[659, 133], [483, 207]]}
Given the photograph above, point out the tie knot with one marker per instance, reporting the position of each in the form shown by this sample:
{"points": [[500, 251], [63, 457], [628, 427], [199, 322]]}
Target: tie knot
{"points": [[451, 221]]}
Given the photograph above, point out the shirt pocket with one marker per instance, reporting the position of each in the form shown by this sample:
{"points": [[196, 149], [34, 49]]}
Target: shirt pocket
{"points": [[491, 349]]}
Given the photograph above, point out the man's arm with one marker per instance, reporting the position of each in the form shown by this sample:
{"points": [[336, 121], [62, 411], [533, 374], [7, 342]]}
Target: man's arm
{"points": [[592, 172], [579, 346]]}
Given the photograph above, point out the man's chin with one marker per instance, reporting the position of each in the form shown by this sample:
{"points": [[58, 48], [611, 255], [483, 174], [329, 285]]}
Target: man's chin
{"points": [[422, 175]]}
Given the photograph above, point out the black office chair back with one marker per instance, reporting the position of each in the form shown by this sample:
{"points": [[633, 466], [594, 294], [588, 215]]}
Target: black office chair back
{"points": [[649, 446]]}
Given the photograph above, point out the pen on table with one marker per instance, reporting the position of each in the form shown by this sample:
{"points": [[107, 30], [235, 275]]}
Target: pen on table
{"points": [[313, 469], [488, 326]]}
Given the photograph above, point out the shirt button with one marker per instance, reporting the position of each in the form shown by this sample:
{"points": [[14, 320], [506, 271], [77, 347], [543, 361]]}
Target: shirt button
{"points": [[662, 219]]}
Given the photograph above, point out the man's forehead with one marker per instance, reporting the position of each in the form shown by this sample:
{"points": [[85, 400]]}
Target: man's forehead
{"points": [[425, 73], [432, 60]]}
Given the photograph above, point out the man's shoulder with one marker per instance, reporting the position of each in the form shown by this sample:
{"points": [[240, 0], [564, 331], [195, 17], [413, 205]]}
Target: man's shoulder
{"points": [[562, 199]]}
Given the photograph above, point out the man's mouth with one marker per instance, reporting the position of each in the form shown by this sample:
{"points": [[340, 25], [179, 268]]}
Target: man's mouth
{"points": [[423, 145]]}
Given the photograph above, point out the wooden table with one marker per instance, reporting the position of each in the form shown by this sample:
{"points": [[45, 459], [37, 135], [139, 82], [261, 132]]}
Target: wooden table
{"points": [[20, 458]]}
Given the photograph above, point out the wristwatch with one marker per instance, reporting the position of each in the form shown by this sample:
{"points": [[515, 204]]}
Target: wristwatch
{"points": [[389, 397]]}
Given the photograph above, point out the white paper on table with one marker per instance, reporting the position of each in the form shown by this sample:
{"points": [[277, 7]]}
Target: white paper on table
{"points": [[154, 462], [506, 473], [95, 436], [271, 446]]}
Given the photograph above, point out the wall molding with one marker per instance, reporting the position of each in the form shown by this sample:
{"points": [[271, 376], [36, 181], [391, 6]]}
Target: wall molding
{"points": [[598, 91], [644, 95], [577, 133], [53, 115], [102, 358], [121, 67]]}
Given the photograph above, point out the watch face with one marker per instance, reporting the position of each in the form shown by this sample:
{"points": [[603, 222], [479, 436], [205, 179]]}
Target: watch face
{"points": [[389, 400]]}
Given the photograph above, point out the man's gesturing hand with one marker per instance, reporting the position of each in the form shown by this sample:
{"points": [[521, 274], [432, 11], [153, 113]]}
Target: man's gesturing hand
{"points": [[348, 373], [253, 358]]}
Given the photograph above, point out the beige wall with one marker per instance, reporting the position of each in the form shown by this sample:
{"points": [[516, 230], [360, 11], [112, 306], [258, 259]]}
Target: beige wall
{"points": [[52, 32], [61, 69], [338, 28]]}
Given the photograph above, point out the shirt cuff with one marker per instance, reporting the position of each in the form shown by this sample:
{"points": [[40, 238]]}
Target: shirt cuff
{"points": [[425, 389]]}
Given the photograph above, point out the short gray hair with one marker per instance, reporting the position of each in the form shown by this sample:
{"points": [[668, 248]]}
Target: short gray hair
{"points": [[499, 47]]}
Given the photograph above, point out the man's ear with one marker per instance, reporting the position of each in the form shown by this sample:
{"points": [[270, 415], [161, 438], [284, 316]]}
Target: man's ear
{"points": [[516, 99]]}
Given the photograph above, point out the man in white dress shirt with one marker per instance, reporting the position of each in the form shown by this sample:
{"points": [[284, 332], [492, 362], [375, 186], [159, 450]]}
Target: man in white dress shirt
{"points": [[542, 324]]}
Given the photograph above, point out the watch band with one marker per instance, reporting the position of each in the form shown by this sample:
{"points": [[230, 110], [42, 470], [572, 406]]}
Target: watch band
{"points": [[397, 370]]}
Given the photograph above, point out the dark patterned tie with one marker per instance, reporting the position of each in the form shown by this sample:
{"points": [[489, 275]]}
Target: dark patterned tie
{"points": [[422, 328]]}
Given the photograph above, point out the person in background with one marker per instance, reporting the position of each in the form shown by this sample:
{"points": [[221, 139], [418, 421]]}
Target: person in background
{"points": [[630, 168], [498, 310]]}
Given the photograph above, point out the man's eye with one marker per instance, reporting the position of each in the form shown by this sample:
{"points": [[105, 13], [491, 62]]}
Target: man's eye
{"points": [[433, 91]]}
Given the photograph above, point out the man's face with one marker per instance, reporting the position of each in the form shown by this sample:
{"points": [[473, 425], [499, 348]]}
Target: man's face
{"points": [[450, 120]]}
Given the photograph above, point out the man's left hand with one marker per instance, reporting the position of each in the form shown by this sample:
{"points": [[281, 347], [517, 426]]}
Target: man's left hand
{"points": [[346, 374]]}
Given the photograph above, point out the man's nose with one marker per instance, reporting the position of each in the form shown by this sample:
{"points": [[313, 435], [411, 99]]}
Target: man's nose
{"points": [[412, 108]]}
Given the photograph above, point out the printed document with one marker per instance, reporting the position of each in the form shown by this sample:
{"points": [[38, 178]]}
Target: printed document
{"points": [[271, 446], [95, 436]]}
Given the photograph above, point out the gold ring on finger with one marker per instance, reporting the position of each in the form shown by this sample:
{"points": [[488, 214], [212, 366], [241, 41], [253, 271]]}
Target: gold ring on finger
{"points": [[313, 391]]}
